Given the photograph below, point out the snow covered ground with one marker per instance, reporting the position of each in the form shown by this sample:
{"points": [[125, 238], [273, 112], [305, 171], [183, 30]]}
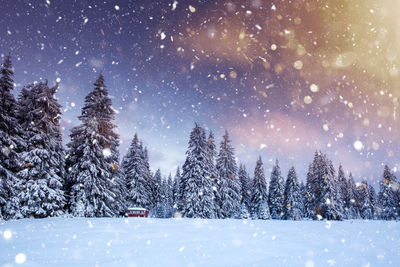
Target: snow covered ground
{"points": [[190, 242]]}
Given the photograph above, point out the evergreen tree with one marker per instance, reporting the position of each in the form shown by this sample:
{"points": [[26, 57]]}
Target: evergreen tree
{"points": [[94, 174], [372, 200], [146, 169], [228, 186], [244, 211], [10, 145], [263, 211], [259, 191], [161, 205], [343, 187], [43, 174], [169, 197], [176, 188], [169, 191], [303, 192], [292, 198], [244, 179], [330, 200], [156, 186], [275, 194], [366, 206], [323, 198], [212, 153], [198, 195], [387, 198], [309, 197], [137, 178], [351, 203]]}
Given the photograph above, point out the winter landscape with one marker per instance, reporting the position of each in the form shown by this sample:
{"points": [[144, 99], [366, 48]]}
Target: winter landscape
{"points": [[199, 133]]}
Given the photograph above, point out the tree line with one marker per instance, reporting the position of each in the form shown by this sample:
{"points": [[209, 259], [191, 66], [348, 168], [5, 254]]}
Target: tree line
{"points": [[40, 178]]}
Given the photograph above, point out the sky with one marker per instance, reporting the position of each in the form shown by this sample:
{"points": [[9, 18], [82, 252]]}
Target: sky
{"points": [[285, 78]]}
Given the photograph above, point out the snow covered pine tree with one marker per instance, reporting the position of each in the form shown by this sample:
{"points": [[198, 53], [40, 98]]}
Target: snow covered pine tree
{"points": [[198, 196], [245, 185], [351, 199], [212, 153], [259, 201], [387, 198], [275, 193], [43, 175], [228, 185], [343, 187], [176, 188], [366, 198], [137, 177], [10, 145], [292, 199], [323, 199], [93, 173]]}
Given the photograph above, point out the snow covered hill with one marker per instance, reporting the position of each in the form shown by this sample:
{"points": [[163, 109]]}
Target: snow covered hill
{"points": [[192, 242]]}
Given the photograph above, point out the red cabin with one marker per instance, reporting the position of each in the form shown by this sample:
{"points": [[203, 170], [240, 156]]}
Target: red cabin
{"points": [[137, 212]]}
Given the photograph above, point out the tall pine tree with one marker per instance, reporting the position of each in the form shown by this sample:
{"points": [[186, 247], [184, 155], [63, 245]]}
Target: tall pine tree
{"points": [[323, 198], [245, 183], [176, 188], [387, 198], [197, 193], [211, 165], [43, 175], [137, 178], [94, 173], [366, 198], [292, 198], [228, 185], [10, 145], [275, 194], [351, 199], [156, 184], [343, 187], [259, 201]]}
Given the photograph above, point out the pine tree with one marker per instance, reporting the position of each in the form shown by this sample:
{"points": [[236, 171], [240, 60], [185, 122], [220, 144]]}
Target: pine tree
{"points": [[212, 153], [292, 198], [161, 209], [176, 188], [146, 169], [372, 200], [11, 144], [303, 192], [275, 194], [137, 178], [351, 202], [323, 198], [43, 175], [263, 211], [94, 173], [228, 186], [198, 195], [244, 211], [259, 191], [342, 186], [387, 198], [309, 197], [156, 186], [244, 179], [169, 197], [366, 206], [169, 191], [330, 200]]}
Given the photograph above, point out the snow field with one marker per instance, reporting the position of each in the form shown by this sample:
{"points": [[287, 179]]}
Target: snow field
{"points": [[197, 242]]}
